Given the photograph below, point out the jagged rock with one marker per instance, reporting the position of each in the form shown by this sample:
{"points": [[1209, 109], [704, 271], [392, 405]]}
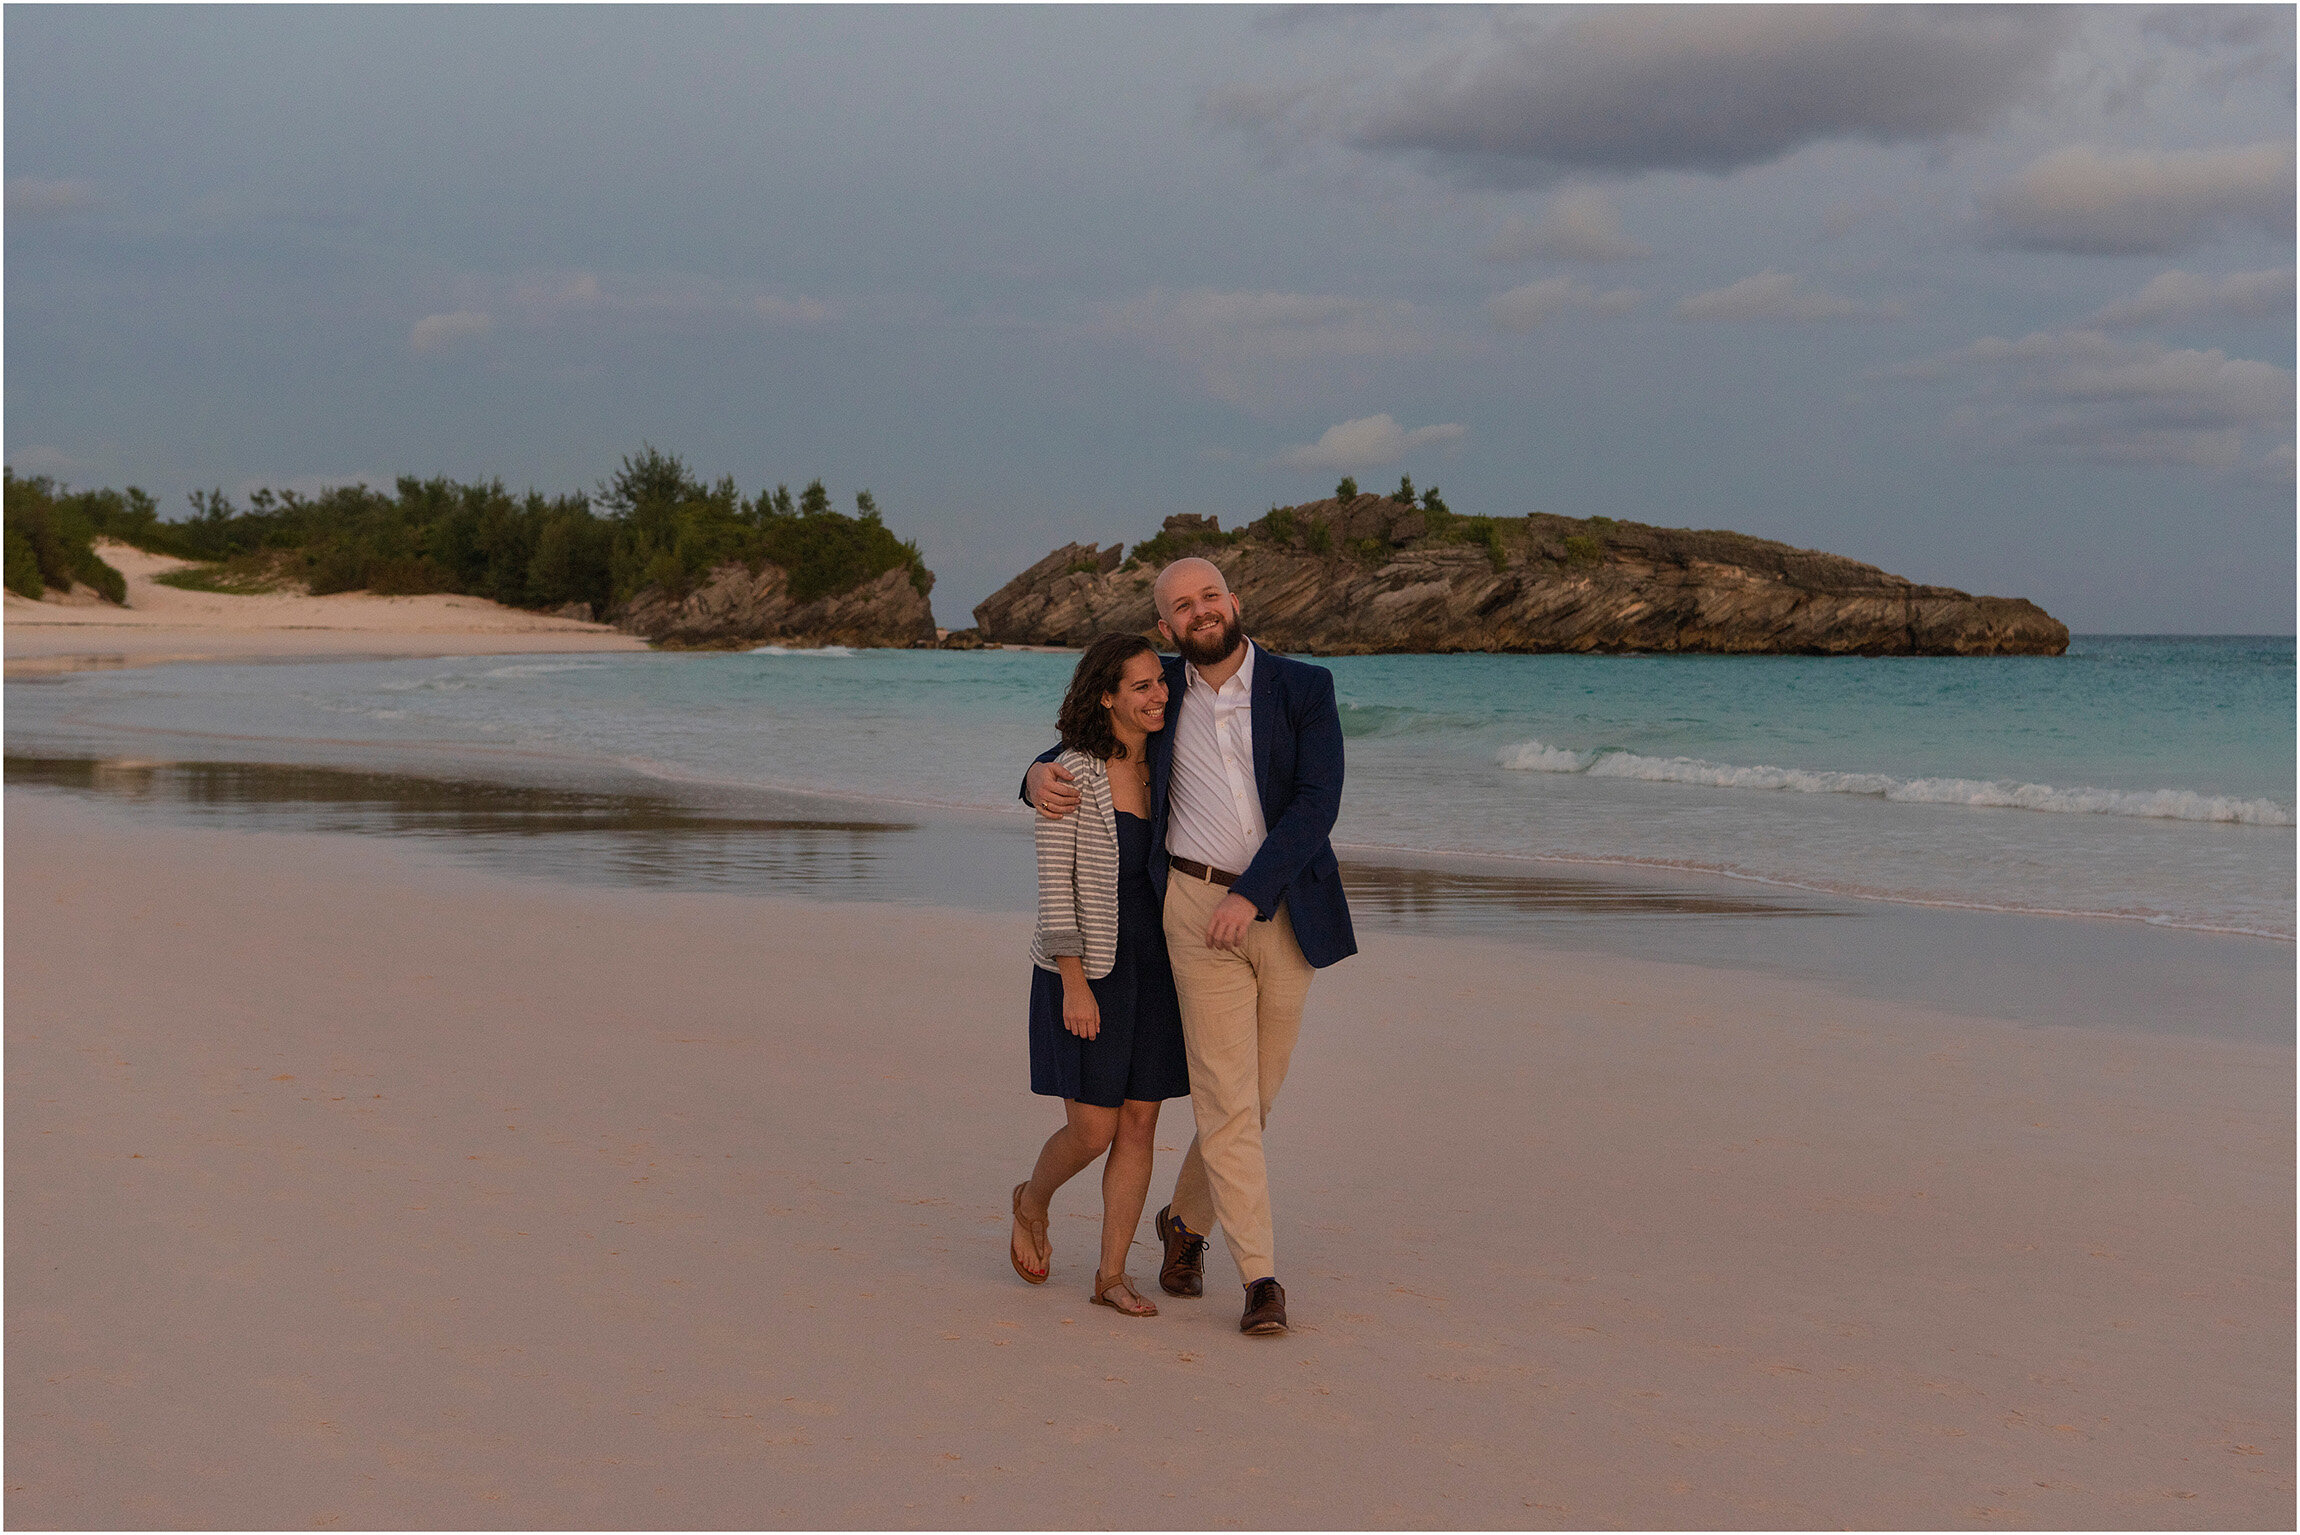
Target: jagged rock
{"points": [[735, 606], [1373, 575], [962, 639]]}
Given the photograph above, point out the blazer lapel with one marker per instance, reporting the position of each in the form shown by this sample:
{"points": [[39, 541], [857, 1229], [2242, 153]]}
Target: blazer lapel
{"points": [[1162, 748], [1264, 714]]}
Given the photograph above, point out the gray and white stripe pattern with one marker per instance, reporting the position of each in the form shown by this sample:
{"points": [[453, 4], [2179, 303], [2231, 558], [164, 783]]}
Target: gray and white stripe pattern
{"points": [[1078, 875]]}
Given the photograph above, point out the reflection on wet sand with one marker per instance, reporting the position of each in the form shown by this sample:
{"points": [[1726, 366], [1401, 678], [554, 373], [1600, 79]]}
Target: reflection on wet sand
{"points": [[1422, 898], [641, 840], [662, 841]]}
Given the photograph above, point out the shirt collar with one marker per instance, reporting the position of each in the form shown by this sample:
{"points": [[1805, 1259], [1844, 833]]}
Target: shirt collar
{"points": [[1243, 676]]}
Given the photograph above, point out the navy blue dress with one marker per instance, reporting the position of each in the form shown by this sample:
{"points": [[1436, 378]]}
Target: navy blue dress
{"points": [[1138, 1052]]}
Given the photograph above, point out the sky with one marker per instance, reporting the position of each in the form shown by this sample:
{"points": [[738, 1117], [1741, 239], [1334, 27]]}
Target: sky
{"points": [[1995, 299]]}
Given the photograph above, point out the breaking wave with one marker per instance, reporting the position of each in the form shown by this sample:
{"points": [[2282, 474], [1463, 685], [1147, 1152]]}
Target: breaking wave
{"points": [[2157, 804], [831, 651]]}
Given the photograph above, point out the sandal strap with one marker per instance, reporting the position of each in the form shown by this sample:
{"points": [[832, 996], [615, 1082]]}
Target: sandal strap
{"points": [[1103, 1286], [1037, 1228]]}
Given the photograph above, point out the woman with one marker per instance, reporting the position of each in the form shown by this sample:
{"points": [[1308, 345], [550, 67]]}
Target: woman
{"points": [[1105, 1029]]}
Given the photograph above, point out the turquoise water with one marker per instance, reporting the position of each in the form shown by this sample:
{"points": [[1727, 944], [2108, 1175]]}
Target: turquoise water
{"points": [[2135, 777]]}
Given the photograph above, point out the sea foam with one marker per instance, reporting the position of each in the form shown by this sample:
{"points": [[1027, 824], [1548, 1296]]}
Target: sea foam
{"points": [[2159, 804], [833, 652]]}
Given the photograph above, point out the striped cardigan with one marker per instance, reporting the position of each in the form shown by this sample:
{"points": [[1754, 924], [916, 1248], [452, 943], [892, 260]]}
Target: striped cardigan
{"points": [[1078, 875]]}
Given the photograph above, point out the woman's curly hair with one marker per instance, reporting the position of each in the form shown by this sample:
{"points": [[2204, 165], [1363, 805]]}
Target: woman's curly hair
{"points": [[1084, 723]]}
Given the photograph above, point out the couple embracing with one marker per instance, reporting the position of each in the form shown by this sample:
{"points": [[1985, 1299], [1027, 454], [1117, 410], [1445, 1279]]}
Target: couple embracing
{"points": [[1186, 893]]}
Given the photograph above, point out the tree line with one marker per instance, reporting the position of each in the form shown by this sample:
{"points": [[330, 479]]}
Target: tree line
{"points": [[654, 524]]}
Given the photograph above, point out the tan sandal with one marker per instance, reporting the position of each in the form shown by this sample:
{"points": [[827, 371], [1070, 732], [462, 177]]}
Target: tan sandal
{"points": [[1037, 1233], [1119, 1281]]}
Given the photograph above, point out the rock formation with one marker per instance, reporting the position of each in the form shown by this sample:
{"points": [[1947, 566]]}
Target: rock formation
{"points": [[735, 606], [1372, 575]]}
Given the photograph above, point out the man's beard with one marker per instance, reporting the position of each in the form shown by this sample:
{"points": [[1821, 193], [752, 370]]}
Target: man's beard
{"points": [[1204, 650]]}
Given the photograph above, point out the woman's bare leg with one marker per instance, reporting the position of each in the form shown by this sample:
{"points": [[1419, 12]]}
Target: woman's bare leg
{"points": [[1085, 1134], [1126, 1181]]}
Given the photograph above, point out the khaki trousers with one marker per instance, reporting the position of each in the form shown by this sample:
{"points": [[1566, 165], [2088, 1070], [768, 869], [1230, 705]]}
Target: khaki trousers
{"points": [[1241, 1013]]}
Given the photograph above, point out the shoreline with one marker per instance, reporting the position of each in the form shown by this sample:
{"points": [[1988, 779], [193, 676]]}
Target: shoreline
{"points": [[372, 1189], [527, 815], [278, 649]]}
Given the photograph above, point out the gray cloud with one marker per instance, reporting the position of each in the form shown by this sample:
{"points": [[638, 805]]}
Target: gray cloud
{"points": [[1242, 343], [2085, 202], [2171, 296], [1525, 307], [1367, 443], [2241, 42], [1771, 295], [438, 332], [29, 197], [2086, 393], [548, 298], [1700, 88], [1580, 224], [35, 458]]}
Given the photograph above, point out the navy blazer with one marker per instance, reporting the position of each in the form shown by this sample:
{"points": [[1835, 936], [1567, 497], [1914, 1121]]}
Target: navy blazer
{"points": [[1298, 773]]}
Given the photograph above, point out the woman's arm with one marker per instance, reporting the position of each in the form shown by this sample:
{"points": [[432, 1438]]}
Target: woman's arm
{"points": [[1081, 1014], [1058, 931]]}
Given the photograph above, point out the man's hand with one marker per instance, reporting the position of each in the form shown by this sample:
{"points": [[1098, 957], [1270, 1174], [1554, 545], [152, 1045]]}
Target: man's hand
{"points": [[1050, 789], [1226, 929]]}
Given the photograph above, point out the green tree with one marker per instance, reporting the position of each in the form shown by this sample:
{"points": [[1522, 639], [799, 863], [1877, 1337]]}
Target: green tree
{"points": [[51, 541], [1404, 494], [1347, 490]]}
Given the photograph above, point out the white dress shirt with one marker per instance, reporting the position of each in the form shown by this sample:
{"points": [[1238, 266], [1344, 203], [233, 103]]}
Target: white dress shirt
{"points": [[1216, 813]]}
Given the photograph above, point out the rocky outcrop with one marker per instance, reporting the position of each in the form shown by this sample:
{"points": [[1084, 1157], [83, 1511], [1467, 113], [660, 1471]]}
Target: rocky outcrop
{"points": [[735, 606], [1373, 575]]}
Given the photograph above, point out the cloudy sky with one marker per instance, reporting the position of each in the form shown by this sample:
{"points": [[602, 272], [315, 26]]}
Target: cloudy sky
{"points": [[1998, 299]]}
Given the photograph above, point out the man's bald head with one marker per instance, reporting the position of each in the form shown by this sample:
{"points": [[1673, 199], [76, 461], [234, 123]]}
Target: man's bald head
{"points": [[1197, 612], [1188, 571]]}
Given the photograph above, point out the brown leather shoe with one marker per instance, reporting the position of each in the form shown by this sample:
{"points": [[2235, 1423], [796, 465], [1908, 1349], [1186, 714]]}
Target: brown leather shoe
{"points": [[1265, 1309], [1184, 1271]]}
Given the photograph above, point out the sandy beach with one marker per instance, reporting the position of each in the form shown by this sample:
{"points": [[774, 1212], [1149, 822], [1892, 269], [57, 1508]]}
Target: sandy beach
{"points": [[350, 1187], [163, 624]]}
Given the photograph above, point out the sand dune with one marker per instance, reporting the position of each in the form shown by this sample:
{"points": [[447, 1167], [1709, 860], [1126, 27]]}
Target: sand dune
{"points": [[162, 623]]}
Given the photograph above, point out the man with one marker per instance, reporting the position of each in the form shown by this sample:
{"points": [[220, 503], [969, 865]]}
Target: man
{"points": [[1245, 783]]}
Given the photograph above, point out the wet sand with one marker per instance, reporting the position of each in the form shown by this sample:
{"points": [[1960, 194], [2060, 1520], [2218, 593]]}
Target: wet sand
{"points": [[348, 1184]]}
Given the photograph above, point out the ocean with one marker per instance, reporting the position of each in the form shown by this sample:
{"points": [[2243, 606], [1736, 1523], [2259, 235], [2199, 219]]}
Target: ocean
{"points": [[2136, 779]]}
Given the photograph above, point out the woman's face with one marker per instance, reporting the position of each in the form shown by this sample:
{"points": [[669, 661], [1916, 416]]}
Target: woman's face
{"points": [[1140, 702]]}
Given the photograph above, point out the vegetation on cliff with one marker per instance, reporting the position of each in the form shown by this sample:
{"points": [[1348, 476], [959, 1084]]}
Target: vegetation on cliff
{"points": [[655, 527], [1359, 573]]}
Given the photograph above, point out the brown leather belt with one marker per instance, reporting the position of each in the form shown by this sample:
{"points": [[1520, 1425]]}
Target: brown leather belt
{"points": [[1196, 870]]}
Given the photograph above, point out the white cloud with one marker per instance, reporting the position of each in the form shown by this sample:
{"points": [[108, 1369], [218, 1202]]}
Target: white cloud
{"points": [[437, 332], [2085, 393], [2187, 296], [1580, 224], [1770, 295], [29, 197], [1246, 345], [2084, 202], [1367, 443], [1522, 308]]}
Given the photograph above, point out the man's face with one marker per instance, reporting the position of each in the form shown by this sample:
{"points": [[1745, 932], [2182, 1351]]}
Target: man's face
{"points": [[1199, 615]]}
